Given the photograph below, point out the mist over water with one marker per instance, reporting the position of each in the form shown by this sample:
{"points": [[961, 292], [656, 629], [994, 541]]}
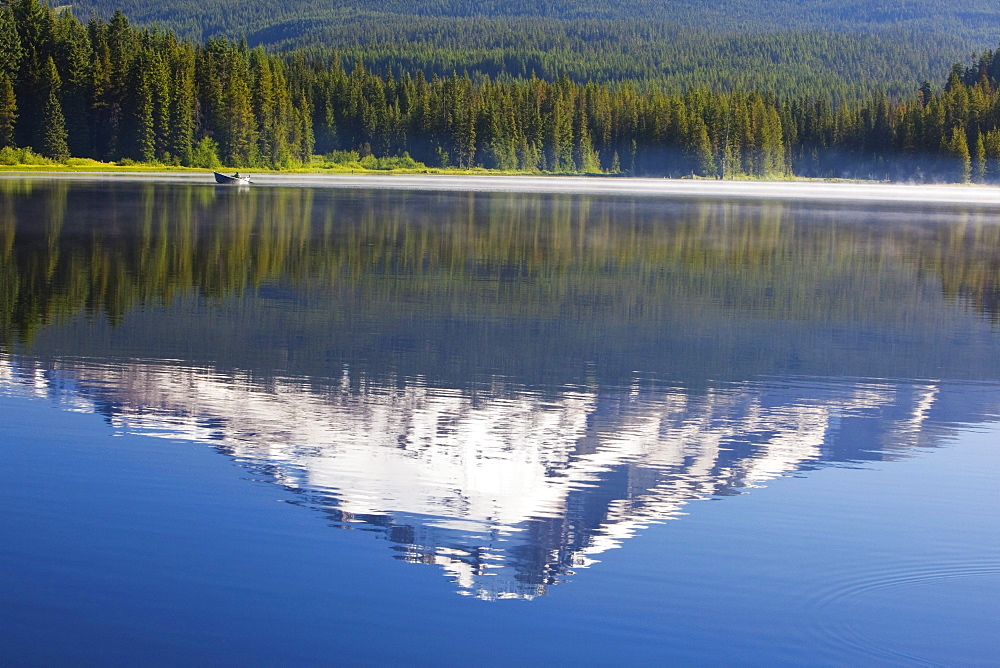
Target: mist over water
{"points": [[507, 390]]}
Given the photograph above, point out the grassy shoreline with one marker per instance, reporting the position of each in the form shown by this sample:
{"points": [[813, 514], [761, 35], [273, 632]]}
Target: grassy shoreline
{"points": [[89, 165], [94, 166]]}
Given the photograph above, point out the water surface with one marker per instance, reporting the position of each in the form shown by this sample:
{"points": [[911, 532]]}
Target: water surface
{"points": [[523, 396]]}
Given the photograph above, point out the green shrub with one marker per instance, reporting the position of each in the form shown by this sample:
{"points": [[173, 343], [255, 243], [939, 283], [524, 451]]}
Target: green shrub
{"points": [[368, 161], [83, 162], [205, 154], [342, 157], [11, 156]]}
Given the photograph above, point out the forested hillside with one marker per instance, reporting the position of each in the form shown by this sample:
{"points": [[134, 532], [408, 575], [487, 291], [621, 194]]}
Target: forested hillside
{"points": [[812, 47], [109, 91], [970, 19]]}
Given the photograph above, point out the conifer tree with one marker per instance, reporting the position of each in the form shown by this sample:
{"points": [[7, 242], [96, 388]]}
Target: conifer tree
{"points": [[307, 139], [182, 107], [771, 146], [957, 152], [991, 146], [10, 42], [979, 160], [73, 52], [122, 49], [8, 111], [160, 95], [239, 125], [699, 148], [560, 131], [35, 26], [584, 158], [103, 120], [53, 129], [139, 132], [264, 102]]}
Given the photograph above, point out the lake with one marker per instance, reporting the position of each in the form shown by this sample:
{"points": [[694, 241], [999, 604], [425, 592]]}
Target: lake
{"points": [[383, 425]]}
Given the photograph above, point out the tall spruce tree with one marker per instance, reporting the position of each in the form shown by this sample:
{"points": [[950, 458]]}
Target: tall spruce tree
{"points": [[8, 111], [240, 125], [959, 162], [138, 126], [182, 106], [979, 160], [103, 120], [10, 42], [699, 148], [35, 26], [52, 132], [73, 53], [159, 88]]}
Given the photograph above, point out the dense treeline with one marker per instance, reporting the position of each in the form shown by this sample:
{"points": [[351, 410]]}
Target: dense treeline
{"points": [[789, 47], [108, 91], [112, 92], [837, 66], [690, 46], [304, 19]]}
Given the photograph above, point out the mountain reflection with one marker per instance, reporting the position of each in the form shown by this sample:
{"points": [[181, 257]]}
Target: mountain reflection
{"points": [[510, 490], [503, 385]]}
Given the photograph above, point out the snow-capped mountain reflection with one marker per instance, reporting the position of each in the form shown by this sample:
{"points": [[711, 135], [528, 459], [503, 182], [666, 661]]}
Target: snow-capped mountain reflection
{"points": [[505, 488]]}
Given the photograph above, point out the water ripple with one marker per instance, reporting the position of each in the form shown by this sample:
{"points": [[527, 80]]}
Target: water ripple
{"points": [[858, 615]]}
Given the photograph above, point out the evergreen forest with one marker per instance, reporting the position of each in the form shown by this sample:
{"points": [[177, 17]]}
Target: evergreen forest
{"points": [[840, 65], [838, 47], [111, 91]]}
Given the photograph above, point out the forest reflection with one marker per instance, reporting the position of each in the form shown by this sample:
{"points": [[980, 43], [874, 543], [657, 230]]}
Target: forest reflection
{"points": [[505, 385], [601, 275]]}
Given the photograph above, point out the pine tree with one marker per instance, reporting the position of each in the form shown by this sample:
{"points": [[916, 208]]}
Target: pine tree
{"points": [[265, 107], [10, 42], [182, 107], [584, 158], [771, 146], [559, 131], [956, 149], [53, 129], [699, 148], [209, 61], [160, 95], [8, 111], [102, 112], [992, 147], [122, 49], [239, 125], [73, 51], [979, 160], [35, 26], [307, 139], [139, 127]]}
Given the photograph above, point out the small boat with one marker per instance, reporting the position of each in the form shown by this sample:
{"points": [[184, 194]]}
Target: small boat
{"points": [[235, 179]]}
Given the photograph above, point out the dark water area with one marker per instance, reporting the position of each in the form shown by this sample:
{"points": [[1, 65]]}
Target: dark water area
{"points": [[359, 426]]}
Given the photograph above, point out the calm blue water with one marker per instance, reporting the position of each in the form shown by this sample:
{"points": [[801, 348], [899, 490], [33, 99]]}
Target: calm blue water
{"points": [[314, 426]]}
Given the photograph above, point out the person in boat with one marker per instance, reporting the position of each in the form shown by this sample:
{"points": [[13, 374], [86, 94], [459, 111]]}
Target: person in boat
{"points": [[236, 175]]}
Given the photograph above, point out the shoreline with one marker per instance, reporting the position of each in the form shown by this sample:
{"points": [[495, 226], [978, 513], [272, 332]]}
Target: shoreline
{"points": [[851, 191]]}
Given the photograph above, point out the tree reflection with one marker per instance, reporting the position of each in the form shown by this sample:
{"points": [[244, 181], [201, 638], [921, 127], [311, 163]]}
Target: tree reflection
{"points": [[586, 273]]}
